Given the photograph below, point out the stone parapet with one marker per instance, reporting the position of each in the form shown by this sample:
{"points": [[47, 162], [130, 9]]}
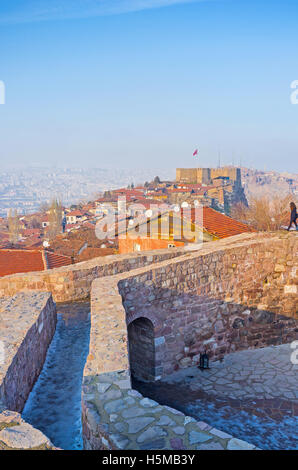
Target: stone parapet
{"points": [[206, 299], [226, 297], [72, 283], [115, 417], [27, 325], [16, 434]]}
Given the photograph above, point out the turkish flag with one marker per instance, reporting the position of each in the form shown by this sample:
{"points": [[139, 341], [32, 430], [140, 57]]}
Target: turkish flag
{"points": [[195, 153]]}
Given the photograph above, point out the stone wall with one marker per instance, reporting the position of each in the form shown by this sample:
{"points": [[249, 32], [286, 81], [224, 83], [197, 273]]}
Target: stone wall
{"points": [[115, 417], [206, 175], [27, 325], [233, 294], [71, 283], [16, 434]]}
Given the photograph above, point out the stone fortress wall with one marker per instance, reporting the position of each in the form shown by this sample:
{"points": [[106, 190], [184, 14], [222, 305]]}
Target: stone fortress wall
{"points": [[206, 175], [27, 325], [72, 283], [234, 294], [116, 417], [224, 196]]}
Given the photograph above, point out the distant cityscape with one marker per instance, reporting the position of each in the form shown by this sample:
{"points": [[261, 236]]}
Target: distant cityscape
{"points": [[26, 189]]}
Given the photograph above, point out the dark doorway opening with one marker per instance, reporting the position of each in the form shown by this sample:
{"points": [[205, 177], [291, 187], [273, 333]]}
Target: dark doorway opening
{"points": [[141, 349]]}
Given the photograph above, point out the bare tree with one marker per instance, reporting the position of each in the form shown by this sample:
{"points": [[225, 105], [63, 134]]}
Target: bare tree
{"points": [[55, 219], [13, 226]]}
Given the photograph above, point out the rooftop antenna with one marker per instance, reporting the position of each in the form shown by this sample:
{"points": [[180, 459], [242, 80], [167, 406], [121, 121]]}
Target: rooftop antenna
{"points": [[219, 159]]}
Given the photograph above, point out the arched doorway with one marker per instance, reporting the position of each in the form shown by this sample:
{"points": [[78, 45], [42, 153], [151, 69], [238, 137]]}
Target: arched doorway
{"points": [[141, 349]]}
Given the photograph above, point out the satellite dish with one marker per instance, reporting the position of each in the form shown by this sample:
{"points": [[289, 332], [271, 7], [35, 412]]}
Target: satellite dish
{"points": [[45, 244]]}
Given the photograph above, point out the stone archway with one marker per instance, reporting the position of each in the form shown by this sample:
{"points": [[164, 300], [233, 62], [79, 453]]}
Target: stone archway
{"points": [[141, 349]]}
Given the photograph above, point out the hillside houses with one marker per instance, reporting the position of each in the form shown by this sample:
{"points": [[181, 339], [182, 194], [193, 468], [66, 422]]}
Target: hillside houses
{"points": [[125, 209]]}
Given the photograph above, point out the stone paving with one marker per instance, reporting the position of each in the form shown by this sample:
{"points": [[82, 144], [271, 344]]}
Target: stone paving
{"points": [[16, 434], [250, 394], [265, 373], [118, 417]]}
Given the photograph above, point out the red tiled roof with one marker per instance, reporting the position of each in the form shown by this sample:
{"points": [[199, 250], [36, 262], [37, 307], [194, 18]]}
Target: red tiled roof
{"points": [[136, 191], [4, 236], [89, 224], [72, 226], [216, 223], [13, 261], [28, 232], [104, 200], [20, 261], [147, 202], [75, 213], [55, 261]]}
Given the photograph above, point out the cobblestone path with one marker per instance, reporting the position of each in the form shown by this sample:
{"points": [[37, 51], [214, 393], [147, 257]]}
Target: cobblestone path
{"points": [[252, 394]]}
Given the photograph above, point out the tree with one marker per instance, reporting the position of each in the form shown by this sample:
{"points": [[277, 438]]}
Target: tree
{"points": [[55, 219], [156, 180], [13, 226], [263, 213]]}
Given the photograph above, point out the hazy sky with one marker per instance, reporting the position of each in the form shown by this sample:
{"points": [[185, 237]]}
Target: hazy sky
{"points": [[141, 83]]}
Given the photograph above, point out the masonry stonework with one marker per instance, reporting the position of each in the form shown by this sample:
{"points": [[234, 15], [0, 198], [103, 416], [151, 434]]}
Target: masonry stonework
{"points": [[236, 293], [71, 283], [233, 294], [27, 325], [141, 343]]}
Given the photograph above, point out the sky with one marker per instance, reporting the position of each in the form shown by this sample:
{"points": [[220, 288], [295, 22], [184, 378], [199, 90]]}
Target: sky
{"points": [[143, 83]]}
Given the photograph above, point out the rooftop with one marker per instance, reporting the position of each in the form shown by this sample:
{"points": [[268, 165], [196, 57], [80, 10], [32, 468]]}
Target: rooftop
{"points": [[216, 223], [13, 261]]}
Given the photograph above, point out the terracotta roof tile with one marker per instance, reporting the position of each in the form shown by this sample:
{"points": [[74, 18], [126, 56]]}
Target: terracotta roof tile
{"points": [[20, 261], [218, 224], [56, 261], [13, 261], [75, 213]]}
